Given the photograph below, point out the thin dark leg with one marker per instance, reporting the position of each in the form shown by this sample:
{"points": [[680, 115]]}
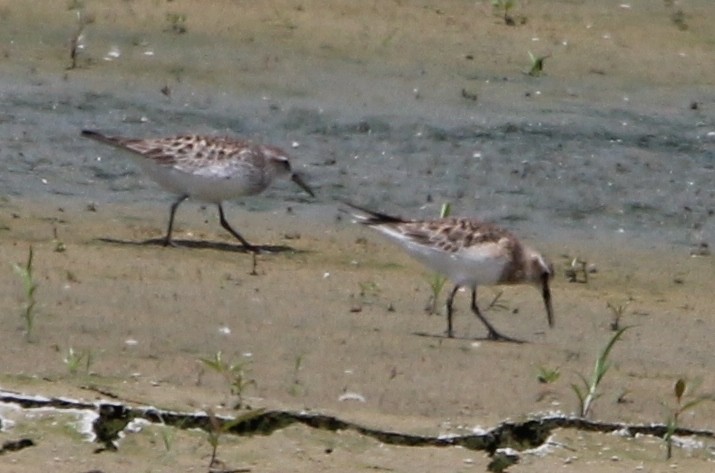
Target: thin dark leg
{"points": [[450, 300], [493, 334], [233, 232], [174, 206]]}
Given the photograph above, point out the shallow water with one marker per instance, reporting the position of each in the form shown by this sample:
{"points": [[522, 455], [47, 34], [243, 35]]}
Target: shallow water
{"points": [[368, 95], [588, 156]]}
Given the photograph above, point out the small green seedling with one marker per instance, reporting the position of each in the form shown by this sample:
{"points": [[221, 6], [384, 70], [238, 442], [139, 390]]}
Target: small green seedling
{"points": [[218, 427], [59, 244], [577, 267], [75, 43], [296, 387], [437, 281], [617, 312], [588, 394], [28, 312], [236, 374], [503, 8], [679, 19], [73, 360], [548, 375], [537, 64], [683, 402], [168, 431], [168, 434], [176, 23], [368, 294], [369, 290], [496, 302]]}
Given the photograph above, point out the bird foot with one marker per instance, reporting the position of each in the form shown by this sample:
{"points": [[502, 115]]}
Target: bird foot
{"points": [[498, 337], [168, 242]]}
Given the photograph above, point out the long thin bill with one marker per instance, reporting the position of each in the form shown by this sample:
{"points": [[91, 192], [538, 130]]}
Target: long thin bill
{"points": [[546, 293], [298, 180]]}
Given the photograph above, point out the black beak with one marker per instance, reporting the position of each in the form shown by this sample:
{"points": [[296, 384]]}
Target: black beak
{"points": [[298, 180], [546, 294]]}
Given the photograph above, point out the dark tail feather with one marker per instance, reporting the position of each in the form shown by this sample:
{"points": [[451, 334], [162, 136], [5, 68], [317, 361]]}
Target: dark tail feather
{"points": [[369, 217], [96, 136]]}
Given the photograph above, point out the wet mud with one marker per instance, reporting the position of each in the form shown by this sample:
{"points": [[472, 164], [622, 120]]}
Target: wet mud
{"points": [[606, 159]]}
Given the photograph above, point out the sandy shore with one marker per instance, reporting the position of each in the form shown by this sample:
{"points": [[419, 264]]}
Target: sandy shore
{"points": [[371, 97], [342, 312]]}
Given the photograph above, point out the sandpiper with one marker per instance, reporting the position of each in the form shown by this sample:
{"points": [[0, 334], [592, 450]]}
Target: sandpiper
{"points": [[470, 253], [208, 169]]}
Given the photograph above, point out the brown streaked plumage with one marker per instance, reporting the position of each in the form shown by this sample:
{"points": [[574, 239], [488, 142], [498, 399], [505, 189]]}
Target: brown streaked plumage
{"points": [[470, 253]]}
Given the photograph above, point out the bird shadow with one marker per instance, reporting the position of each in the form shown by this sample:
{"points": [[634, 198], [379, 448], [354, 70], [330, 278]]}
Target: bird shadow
{"points": [[205, 245], [471, 339]]}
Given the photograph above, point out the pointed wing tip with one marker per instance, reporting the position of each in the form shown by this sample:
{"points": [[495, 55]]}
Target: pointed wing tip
{"points": [[370, 217], [95, 135], [102, 138]]}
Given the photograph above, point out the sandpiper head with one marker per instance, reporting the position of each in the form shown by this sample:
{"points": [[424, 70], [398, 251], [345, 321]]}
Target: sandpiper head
{"points": [[540, 271], [280, 166]]}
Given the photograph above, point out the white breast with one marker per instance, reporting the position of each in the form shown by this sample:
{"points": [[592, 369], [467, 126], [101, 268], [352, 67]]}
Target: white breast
{"points": [[205, 187]]}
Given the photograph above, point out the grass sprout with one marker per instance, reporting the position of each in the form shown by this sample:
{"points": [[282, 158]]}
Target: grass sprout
{"points": [[168, 431], [577, 267], [588, 392], [296, 387], [77, 38], [437, 281], [537, 64], [218, 427], [168, 434], [504, 8], [176, 23], [30, 286], [236, 374], [369, 289], [617, 312], [496, 302], [436, 285], [76, 359], [685, 400], [548, 375]]}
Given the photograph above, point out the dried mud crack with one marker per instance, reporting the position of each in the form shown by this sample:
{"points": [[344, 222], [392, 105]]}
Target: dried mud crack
{"points": [[112, 418]]}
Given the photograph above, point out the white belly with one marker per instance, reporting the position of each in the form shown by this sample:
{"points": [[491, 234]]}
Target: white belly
{"points": [[474, 269], [204, 188]]}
